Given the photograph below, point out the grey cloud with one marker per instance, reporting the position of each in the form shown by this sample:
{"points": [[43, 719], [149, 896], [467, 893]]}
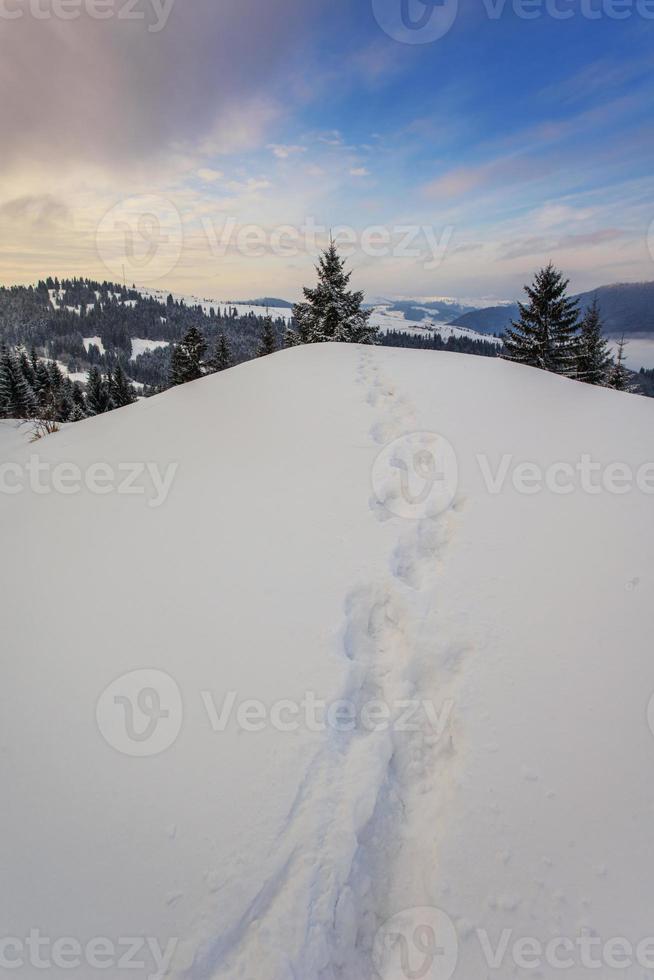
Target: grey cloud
{"points": [[39, 211], [115, 91], [540, 245]]}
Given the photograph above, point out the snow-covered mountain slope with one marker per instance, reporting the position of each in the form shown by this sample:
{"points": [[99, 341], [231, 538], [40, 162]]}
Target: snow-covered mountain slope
{"points": [[489, 767], [208, 303], [385, 317]]}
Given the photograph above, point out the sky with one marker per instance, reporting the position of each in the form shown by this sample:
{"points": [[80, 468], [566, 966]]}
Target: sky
{"points": [[210, 146]]}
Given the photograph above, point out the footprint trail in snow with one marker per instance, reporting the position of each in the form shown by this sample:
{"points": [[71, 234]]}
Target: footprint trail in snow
{"points": [[360, 840]]}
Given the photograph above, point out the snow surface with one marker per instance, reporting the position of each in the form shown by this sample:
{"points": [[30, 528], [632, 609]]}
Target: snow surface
{"points": [[13, 436], [95, 342], [141, 345], [79, 376], [274, 569]]}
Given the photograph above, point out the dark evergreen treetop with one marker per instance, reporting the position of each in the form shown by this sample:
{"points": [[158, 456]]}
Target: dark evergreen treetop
{"points": [[187, 357], [268, 344], [121, 391], [222, 358]]}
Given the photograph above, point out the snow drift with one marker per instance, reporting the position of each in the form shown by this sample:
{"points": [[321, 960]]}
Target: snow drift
{"points": [[323, 709]]}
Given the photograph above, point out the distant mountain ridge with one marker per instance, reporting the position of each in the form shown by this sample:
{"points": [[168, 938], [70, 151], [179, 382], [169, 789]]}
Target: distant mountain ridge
{"points": [[627, 308], [270, 301]]}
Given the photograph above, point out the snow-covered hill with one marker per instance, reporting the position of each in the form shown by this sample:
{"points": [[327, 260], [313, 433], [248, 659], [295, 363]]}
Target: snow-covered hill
{"points": [[356, 687]]}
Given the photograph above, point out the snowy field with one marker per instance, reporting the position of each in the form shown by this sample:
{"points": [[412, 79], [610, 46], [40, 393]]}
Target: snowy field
{"points": [[94, 342], [141, 345], [386, 318], [306, 535], [243, 309]]}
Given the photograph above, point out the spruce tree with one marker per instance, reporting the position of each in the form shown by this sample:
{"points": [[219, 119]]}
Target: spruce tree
{"points": [[546, 334], [17, 400], [43, 387], [27, 368], [593, 358], [268, 342], [291, 337], [221, 359], [78, 414], [619, 375], [331, 312], [186, 359], [78, 395], [97, 395], [122, 392], [56, 379]]}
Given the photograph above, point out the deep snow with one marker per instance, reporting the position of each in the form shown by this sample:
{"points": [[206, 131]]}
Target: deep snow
{"points": [[286, 564]]}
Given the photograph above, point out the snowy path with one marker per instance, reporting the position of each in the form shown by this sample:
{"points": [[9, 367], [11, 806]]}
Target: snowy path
{"points": [[354, 841]]}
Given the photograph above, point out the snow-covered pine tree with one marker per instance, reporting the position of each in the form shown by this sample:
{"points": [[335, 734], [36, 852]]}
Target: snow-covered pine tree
{"points": [[97, 395], [268, 342], [221, 359], [42, 384], [27, 368], [56, 379], [331, 312], [593, 358], [187, 356], [66, 407], [78, 414], [122, 393], [619, 375], [17, 400], [546, 334], [291, 337]]}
